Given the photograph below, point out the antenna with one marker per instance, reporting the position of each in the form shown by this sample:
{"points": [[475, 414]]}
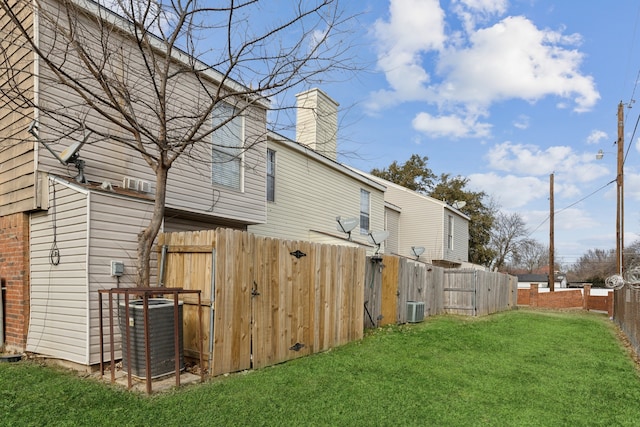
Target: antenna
{"points": [[68, 155], [346, 225], [417, 251], [377, 237]]}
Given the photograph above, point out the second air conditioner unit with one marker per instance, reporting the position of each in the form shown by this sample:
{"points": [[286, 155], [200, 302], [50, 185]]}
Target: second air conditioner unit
{"points": [[415, 311]]}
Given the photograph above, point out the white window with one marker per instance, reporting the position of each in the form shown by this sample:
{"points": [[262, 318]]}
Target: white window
{"points": [[271, 175], [365, 208], [450, 233], [227, 147]]}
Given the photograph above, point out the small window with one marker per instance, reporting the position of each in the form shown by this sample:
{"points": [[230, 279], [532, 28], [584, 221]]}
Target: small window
{"points": [[227, 142], [450, 233], [271, 175], [365, 208]]}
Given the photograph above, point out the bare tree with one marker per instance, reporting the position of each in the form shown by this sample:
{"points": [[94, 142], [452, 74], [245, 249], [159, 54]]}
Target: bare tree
{"points": [[595, 266], [123, 63], [531, 255], [507, 236]]}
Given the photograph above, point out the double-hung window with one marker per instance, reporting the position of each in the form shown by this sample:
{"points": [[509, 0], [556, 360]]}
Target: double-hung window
{"points": [[450, 233], [271, 175], [365, 208], [228, 145]]}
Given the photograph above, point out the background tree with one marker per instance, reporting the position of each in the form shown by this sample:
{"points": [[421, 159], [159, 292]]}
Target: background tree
{"points": [[530, 255], [508, 235], [412, 174], [595, 266], [92, 58]]}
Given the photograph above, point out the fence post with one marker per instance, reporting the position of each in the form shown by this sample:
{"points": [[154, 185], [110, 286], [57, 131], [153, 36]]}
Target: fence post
{"points": [[586, 293], [533, 295]]}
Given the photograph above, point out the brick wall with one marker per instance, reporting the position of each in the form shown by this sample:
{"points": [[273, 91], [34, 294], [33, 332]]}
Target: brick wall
{"points": [[574, 298], [14, 274]]}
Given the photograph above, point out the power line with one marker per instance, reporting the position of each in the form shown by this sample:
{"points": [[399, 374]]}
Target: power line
{"points": [[571, 205]]}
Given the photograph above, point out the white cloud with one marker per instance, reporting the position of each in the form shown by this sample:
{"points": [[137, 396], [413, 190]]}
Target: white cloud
{"points": [[414, 27], [522, 122], [471, 70], [450, 126], [532, 160], [596, 136], [472, 12], [510, 191], [513, 59]]}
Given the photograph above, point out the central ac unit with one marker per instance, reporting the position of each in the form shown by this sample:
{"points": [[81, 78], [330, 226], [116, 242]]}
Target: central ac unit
{"points": [[415, 311]]}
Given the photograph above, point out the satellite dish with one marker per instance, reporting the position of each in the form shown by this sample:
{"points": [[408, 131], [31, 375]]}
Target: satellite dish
{"points": [[417, 251], [346, 225], [459, 204], [68, 155], [377, 237]]}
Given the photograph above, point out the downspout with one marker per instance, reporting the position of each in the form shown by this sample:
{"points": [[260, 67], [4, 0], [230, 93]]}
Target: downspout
{"points": [[87, 282]]}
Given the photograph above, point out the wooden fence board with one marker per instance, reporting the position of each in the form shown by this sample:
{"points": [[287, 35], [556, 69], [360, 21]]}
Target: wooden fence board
{"points": [[389, 309]]}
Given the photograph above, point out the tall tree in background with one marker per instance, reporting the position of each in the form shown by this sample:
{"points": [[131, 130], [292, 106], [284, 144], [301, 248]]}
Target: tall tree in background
{"points": [[531, 255], [480, 211], [130, 72], [412, 174], [508, 235], [595, 266]]}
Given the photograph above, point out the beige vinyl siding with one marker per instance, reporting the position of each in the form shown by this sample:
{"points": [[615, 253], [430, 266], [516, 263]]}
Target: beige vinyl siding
{"points": [[310, 192], [460, 251], [420, 222], [115, 223], [93, 228], [392, 225], [17, 169], [189, 186], [58, 312]]}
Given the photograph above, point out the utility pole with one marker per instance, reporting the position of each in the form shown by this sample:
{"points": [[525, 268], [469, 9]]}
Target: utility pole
{"points": [[620, 194], [552, 275]]}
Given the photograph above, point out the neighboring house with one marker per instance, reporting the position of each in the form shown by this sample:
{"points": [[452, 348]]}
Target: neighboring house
{"points": [[525, 280], [58, 237], [418, 221], [307, 189]]}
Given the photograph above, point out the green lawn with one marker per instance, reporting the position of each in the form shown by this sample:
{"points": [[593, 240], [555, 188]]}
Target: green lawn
{"points": [[521, 368]]}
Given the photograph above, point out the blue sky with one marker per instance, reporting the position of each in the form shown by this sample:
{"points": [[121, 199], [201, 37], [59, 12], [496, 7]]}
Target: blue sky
{"points": [[503, 93]]}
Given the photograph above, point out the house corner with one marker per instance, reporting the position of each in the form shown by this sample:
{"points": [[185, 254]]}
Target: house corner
{"points": [[14, 278]]}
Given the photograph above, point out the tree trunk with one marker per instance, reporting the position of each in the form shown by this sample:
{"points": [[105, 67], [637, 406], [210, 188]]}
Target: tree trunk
{"points": [[147, 236]]}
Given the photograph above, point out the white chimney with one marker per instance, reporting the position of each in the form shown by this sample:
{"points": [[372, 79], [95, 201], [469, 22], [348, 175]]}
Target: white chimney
{"points": [[317, 122]]}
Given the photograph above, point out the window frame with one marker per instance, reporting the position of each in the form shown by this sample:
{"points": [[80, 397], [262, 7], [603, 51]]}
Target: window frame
{"points": [[365, 213], [227, 142], [271, 175]]}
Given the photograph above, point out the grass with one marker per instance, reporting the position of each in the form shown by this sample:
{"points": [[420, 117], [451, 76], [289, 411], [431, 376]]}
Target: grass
{"points": [[519, 368]]}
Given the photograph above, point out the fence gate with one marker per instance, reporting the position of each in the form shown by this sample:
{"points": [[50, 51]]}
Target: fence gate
{"points": [[460, 292]]}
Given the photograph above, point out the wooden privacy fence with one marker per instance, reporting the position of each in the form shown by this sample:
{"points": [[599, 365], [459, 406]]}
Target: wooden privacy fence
{"points": [[268, 300], [392, 282]]}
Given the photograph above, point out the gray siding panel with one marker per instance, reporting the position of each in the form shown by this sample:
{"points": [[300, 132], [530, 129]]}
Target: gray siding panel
{"points": [[59, 290]]}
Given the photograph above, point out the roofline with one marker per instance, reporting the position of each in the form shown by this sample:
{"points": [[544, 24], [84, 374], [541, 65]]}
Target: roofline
{"points": [[177, 54], [424, 196], [307, 151]]}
